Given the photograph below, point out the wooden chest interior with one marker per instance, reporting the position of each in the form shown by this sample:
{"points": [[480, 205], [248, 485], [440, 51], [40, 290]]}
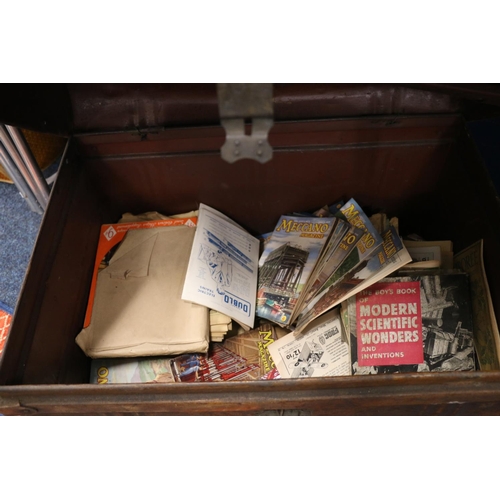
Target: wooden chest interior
{"points": [[421, 167]]}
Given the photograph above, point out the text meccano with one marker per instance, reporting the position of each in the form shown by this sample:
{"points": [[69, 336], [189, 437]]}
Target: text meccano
{"points": [[286, 264]]}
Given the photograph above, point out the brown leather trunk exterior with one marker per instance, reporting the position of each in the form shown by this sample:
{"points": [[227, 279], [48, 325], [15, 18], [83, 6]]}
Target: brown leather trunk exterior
{"points": [[66, 109]]}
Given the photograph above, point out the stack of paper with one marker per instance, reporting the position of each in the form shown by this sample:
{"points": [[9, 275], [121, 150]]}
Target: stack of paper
{"points": [[220, 324]]}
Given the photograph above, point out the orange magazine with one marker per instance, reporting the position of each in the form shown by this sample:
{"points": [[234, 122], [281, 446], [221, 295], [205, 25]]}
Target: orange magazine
{"points": [[5, 319], [111, 235]]}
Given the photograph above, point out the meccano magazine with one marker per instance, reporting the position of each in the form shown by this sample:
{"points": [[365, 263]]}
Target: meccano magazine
{"points": [[287, 263]]}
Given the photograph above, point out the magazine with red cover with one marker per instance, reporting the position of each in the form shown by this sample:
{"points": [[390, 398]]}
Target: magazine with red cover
{"points": [[389, 325], [412, 323]]}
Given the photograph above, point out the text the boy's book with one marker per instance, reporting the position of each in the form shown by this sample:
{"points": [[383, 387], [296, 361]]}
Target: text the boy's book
{"points": [[223, 267], [412, 323], [287, 263]]}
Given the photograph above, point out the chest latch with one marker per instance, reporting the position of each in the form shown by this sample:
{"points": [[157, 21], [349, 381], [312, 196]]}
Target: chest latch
{"points": [[239, 102]]}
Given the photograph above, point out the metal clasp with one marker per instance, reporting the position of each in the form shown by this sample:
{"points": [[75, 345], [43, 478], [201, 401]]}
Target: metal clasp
{"points": [[240, 101]]}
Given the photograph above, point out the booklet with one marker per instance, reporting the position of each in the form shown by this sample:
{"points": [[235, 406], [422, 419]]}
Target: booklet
{"points": [[321, 351], [296, 246], [223, 266], [391, 257]]}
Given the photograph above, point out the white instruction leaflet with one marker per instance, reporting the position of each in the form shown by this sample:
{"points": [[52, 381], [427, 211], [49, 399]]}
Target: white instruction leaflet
{"points": [[223, 266], [318, 352]]}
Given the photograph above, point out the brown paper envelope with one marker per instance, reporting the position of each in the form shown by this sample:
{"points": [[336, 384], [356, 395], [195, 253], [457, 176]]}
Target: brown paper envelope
{"points": [[132, 259], [138, 313]]}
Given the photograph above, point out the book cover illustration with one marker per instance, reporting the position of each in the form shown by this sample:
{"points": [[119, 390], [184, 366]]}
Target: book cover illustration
{"points": [[333, 269], [219, 365], [319, 352], [367, 245], [344, 238], [386, 319], [286, 264], [391, 257], [254, 346], [388, 253], [223, 266]]}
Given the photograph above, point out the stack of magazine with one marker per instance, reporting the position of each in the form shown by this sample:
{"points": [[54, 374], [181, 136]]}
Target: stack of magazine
{"points": [[269, 305], [312, 262], [309, 264]]}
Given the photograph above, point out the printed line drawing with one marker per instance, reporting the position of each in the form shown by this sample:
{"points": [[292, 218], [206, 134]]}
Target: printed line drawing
{"points": [[220, 267]]}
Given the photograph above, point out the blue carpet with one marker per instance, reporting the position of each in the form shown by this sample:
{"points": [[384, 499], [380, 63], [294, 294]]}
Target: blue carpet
{"points": [[19, 228], [4, 307]]}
